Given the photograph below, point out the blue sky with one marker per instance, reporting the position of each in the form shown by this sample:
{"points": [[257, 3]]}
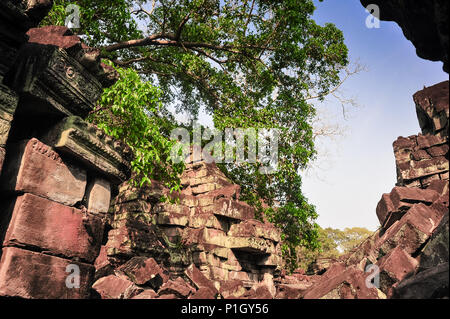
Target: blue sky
{"points": [[353, 171]]}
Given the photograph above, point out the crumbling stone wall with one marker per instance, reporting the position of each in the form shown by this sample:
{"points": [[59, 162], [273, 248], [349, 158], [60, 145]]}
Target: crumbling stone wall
{"points": [[207, 233], [57, 171], [410, 249]]}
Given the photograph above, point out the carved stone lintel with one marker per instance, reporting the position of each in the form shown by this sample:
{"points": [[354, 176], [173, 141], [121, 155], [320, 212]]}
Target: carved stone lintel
{"points": [[91, 146], [51, 82]]}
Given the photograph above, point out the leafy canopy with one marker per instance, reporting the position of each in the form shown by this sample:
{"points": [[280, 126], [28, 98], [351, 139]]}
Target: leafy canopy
{"points": [[248, 63]]}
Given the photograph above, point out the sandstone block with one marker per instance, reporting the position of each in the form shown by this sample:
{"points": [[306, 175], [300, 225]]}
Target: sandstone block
{"points": [[198, 279], [98, 196], [176, 287], [255, 228], [394, 267], [55, 84], [231, 289], [114, 287], [33, 275], [146, 294], [144, 271], [35, 168], [59, 229], [92, 147], [350, 284]]}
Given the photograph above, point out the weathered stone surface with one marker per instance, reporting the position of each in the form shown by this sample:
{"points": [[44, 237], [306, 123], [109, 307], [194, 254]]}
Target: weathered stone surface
{"points": [[198, 280], [250, 244], [432, 109], [394, 267], [98, 196], [146, 294], [349, 284], [102, 265], [255, 228], [92, 147], [436, 250], [28, 274], [204, 293], [114, 287], [231, 209], [394, 205], [144, 271], [292, 291], [232, 289], [177, 287], [64, 38], [8, 104], [54, 85], [61, 230], [130, 237], [429, 284], [412, 230], [33, 167]]}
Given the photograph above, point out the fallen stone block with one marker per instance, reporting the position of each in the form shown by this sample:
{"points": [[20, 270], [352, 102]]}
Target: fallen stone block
{"points": [[436, 251], [114, 287], [428, 284], [146, 294], [231, 209], [432, 109], [394, 267], [46, 225], [292, 291], [33, 275], [412, 230], [204, 293], [129, 238], [34, 167], [144, 271], [177, 287], [198, 279], [102, 265], [232, 289], [350, 284]]}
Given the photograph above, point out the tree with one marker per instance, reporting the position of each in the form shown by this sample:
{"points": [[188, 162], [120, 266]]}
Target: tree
{"points": [[333, 244], [249, 63]]}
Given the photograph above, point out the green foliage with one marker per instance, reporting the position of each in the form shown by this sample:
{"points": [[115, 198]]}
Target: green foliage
{"points": [[131, 111], [249, 63], [334, 243]]}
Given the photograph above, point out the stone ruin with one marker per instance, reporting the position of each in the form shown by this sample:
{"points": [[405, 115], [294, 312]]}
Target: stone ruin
{"points": [[66, 199], [410, 248]]}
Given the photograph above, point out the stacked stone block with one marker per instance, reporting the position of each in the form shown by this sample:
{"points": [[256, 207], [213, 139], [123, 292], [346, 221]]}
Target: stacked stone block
{"points": [[410, 249], [57, 171], [205, 225]]}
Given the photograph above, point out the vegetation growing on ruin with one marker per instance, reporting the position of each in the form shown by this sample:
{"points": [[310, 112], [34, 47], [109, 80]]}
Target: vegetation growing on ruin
{"points": [[248, 63]]}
